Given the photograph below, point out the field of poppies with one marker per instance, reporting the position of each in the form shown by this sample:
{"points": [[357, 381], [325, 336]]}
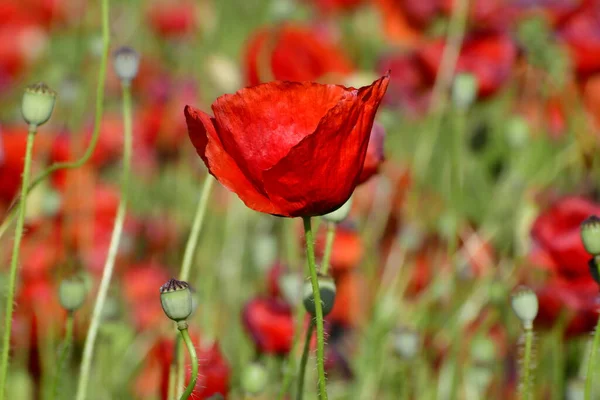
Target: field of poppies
{"points": [[299, 199]]}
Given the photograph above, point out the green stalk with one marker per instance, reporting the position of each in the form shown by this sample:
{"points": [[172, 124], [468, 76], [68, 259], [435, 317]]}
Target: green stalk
{"points": [[172, 376], [304, 360], [589, 379], [97, 123], [185, 335], [186, 264], [12, 282], [526, 374], [64, 353], [310, 253], [90, 341], [328, 247]]}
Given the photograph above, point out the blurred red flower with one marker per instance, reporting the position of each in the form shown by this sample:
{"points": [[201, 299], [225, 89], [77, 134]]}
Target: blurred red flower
{"points": [[139, 286], [556, 232], [490, 57], [293, 53], [288, 148], [375, 153], [350, 290], [270, 324], [330, 6], [347, 250], [172, 18], [581, 34]]}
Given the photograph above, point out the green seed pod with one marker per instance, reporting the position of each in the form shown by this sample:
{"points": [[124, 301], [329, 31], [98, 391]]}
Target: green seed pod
{"points": [[327, 291], [340, 214], [483, 351], [72, 293], [38, 103], [176, 300], [254, 378], [407, 343], [590, 235], [126, 62], [525, 305], [464, 90]]}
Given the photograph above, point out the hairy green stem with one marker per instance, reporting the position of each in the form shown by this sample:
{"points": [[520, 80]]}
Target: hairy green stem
{"points": [[64, 353], [113, 249], [526, 373], [328, 247], [589, 379], [14, 262], [310, 255], [185, 335], [304, 360], [97, 123]]}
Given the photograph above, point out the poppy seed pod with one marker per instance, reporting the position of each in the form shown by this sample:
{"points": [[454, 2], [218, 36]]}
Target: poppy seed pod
{"points": [[525, 305], [176, 299], [254, 378], [464, 90], [126, 62], [407, 343], [72, 292], [38, 103], [590, 235], [327, 291], [341, 213]]}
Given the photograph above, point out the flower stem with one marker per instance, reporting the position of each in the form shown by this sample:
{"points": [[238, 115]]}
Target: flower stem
{"points": [[97, 122], [182, 326], [526, 374], [304, 360], [10, 301], [589, 379], [172, 377], [64, 353], [310, 253], [328, 247], [90, 341]]}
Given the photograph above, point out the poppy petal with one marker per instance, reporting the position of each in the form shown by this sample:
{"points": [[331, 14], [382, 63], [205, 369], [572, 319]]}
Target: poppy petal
{"points": [[260, 124], [297, 179], [220, 164]]}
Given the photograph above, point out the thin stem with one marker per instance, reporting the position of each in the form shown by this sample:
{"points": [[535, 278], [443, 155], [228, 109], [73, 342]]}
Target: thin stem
{"points": [[12, 280], [304, 360], [186, 264], [64, 354], [589, 379], [526, 374], [328, 247], [310, 254], [172, 378], [194, 358], [90, 341]]}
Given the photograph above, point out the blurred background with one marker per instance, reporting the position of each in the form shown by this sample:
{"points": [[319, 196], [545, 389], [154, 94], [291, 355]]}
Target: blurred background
{"points": [[505, 91]]}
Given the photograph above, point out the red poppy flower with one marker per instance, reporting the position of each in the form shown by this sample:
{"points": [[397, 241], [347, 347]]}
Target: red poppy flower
{"points": [[140, 283], [347, 250], [293, 53], [273, 279], [581, 33], [579, 298], [172, 18], [288, 148], [270, 324], [329, 6], [556, 231], [489, 57], [347, 310], [375, 155]]}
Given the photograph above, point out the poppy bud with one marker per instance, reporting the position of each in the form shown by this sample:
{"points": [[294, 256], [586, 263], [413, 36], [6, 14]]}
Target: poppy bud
{"points": [[464, 90], [590, 235], [517, 132], [176, 299], [38, 103], [126, 62], [327, 291], [72, 292], [525, 305], [341, 213], [254, 378], [483, 351], [406, 343]]}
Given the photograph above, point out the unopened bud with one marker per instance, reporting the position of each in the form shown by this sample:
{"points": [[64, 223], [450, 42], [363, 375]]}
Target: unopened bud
{"points": [[407, 343], [464, 90], [341, 213], [327, 291], [525, 305], [176, 300], [126, 62], [254, 378], [590, 235], [72, 293], [38, 103]]}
